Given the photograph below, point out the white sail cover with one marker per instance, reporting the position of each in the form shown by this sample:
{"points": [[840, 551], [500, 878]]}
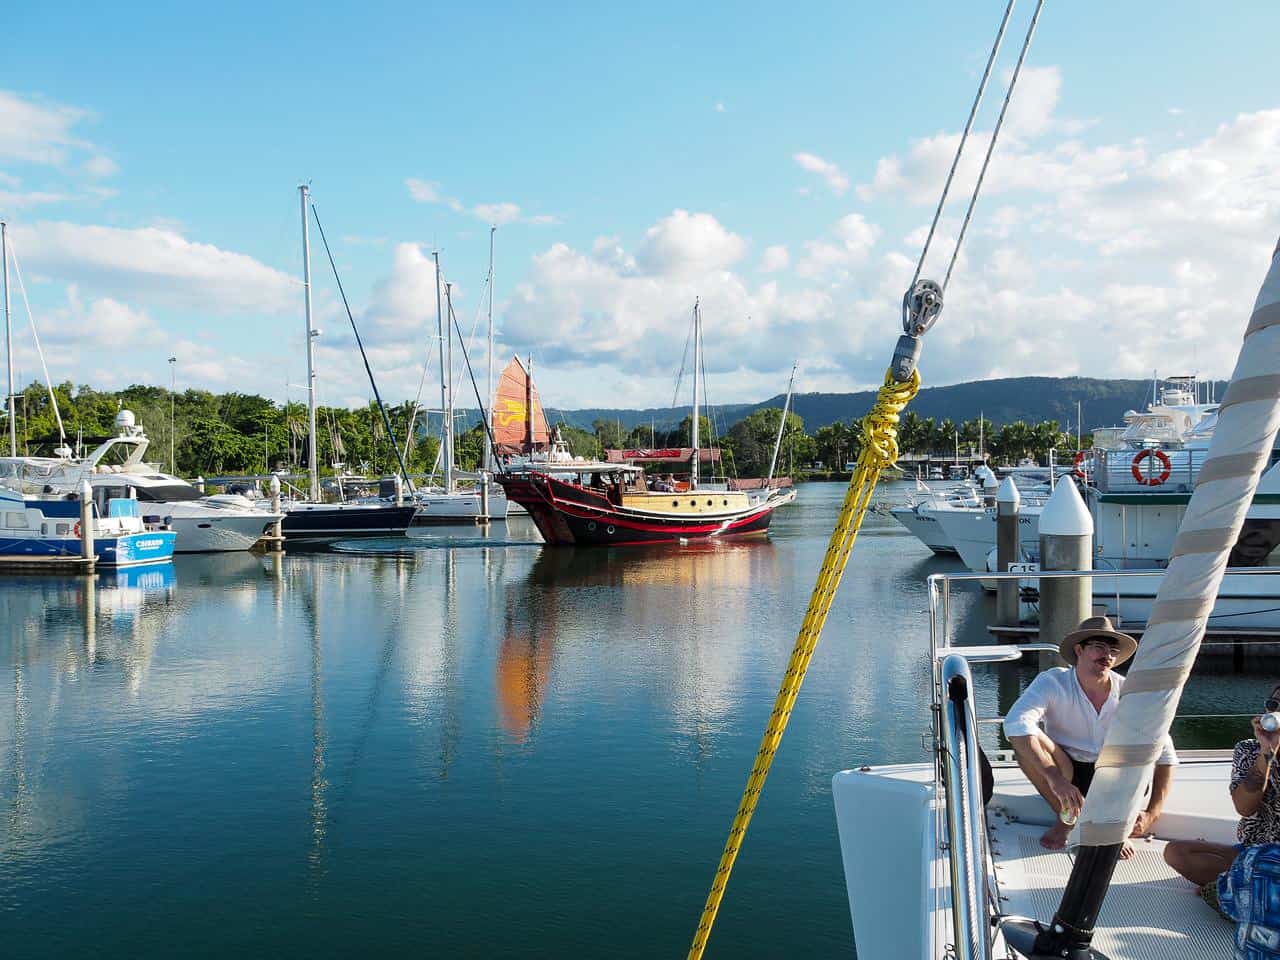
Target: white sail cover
{"points": [[1238, 453]]}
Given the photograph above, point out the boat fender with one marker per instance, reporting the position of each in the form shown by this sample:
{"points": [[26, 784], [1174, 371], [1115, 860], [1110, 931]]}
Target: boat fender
{"points": [[1166, 467]]}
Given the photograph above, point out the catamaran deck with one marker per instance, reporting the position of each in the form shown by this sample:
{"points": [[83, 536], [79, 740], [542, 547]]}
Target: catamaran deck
{"points": [[1150, 911]]}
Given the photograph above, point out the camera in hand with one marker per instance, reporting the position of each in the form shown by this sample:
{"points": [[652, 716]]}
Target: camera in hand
{"points": [[1269, 722]]}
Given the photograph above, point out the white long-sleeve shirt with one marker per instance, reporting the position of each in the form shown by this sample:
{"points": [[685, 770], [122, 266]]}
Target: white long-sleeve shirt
{"points": [[1056, 700]]}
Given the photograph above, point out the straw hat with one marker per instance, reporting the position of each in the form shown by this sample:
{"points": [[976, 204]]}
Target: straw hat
{"points": [[1099, 627]]}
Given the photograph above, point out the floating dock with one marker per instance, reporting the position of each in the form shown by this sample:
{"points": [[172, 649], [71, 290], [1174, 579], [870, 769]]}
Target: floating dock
{"points": [[45, 565]]}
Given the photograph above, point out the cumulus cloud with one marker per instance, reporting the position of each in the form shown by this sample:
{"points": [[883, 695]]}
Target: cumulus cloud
{"points": [[774, 258], [829, 172], [849, 246], [690, 245], [156, 263]]}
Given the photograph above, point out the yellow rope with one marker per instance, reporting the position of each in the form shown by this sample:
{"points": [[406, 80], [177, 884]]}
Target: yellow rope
{"points": [[880, 450]]}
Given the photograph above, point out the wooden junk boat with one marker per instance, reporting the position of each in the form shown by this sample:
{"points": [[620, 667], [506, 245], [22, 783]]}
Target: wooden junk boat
{"points": [[576, 501]]}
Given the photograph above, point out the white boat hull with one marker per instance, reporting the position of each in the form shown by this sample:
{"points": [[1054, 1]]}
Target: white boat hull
{"points": [[459, 507], [211, 533]]}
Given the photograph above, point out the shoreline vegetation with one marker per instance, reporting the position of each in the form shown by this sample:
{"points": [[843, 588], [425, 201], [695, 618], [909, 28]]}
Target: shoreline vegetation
{"points": [[237, 433]]}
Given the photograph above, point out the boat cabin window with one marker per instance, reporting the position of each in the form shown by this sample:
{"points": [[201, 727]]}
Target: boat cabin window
{"points": [[15, 519], [167, 492]]}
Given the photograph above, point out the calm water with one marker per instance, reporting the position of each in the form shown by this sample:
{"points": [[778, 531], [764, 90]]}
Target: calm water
{"points": [[451, 746]]}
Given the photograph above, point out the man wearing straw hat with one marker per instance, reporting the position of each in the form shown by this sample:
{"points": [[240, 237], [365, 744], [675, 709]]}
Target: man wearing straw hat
{"points": [[1075, 705]]}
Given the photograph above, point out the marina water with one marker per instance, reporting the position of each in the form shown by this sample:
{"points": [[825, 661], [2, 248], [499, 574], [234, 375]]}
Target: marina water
{"points": [[460, 744]]}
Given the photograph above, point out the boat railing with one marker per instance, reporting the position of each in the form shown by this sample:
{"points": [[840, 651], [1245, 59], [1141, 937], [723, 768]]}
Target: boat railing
{"points": [[973, 901], [1152, 470]]}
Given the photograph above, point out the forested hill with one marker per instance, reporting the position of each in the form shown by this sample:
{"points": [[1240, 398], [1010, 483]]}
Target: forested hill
{"points": [[1029, 399]]}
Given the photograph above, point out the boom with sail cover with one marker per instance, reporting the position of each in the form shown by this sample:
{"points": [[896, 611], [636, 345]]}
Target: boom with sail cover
{"points": [[519, 423]]}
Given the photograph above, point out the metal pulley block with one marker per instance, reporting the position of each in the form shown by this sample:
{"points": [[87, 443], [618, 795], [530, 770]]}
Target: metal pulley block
{"points": [[920, 307]]}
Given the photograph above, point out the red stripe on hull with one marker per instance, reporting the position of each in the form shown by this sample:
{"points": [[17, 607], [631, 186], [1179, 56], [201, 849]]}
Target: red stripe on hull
{"points": [[589, 518]]}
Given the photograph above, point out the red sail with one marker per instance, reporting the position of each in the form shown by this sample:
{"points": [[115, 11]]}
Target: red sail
{"points": [[519, 425]]}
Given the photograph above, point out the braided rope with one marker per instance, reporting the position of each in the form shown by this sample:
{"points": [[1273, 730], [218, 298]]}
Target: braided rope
{"points": [[880, 451]]}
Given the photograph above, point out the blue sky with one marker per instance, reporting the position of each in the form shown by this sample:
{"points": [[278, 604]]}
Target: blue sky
{"points": [[778, 161]]}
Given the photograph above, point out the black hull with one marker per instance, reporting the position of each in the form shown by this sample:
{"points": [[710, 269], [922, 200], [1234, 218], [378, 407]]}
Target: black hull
{"points": [[347, 524]]}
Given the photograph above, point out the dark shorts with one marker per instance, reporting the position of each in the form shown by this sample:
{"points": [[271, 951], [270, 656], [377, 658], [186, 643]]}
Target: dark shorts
{"points": [[1082, 775]]}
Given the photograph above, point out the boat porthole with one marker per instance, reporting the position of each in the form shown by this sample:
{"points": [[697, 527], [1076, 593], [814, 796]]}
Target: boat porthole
{"points": [[608, 529], [693, 503], [675, 503], [591, 524], [726, 503], [709, 503]]}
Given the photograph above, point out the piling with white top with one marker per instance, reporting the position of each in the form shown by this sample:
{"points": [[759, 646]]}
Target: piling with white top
{"points": [[399, 491], [1008, 550], [990, 484], [1066, 543], [276, 540], [484, 498], [86, 520]]}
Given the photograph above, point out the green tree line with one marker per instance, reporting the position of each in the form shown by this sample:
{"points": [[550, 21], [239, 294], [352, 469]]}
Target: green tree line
{"points": [[234, 433]]}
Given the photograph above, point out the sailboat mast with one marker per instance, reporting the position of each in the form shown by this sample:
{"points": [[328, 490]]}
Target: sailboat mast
{"points": [[445, 457], [488, 414], [697, 365], [313, 469], [777, 443], [8, 344], [448, 389]]}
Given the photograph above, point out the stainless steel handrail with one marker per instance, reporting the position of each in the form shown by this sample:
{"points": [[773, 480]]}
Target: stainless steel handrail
{"points": [[966, 821], [956, 743]]}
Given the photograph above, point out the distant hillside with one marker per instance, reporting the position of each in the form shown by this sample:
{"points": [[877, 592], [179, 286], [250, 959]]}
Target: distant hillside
{"points": [[1031, 399]]}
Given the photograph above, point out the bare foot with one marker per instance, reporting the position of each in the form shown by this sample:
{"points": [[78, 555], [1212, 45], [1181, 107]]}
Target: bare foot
{"points": [[1055, 838], [1127, 851]]}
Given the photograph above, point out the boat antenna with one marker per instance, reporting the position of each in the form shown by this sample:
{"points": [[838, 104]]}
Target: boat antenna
{"points": [[386, 420]]}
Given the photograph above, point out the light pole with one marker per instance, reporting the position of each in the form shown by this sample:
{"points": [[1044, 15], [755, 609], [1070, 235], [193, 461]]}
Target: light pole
{"points": [[173, 386]]}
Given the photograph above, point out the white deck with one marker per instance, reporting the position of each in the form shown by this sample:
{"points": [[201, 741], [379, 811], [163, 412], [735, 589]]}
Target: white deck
{"points": [[904, 912], [1150, 912]]}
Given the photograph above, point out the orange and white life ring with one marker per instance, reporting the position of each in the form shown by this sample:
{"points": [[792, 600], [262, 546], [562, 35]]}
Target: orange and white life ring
{"points": [[1166, 468], [76, 529], [1078, 470]]}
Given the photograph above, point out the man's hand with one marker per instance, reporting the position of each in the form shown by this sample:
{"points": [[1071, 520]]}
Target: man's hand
{"points": [[1068, 797], [1142, 826]]}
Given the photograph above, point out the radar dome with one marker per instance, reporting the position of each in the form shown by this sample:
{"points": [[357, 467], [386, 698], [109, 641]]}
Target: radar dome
{"points": [[125, 419]]}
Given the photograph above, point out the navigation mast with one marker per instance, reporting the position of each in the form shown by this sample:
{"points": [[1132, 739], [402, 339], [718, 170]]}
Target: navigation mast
{"points": [[9, 405], [697, 363], [488, 414], [313, 471], [777, 443], [446, 428]]}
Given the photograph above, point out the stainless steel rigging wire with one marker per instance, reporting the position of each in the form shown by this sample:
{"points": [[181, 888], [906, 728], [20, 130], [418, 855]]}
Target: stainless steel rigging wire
{"points": [[955, 162]]}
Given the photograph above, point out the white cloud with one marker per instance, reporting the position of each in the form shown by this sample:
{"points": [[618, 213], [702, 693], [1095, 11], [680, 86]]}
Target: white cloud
{"points": [[156, 264], [832, 174], [101, 166], [424, 191], [689, 245], [851, 243], [11, 200], [497, 213], [38, 132], [719, 108], [774, 258]]}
